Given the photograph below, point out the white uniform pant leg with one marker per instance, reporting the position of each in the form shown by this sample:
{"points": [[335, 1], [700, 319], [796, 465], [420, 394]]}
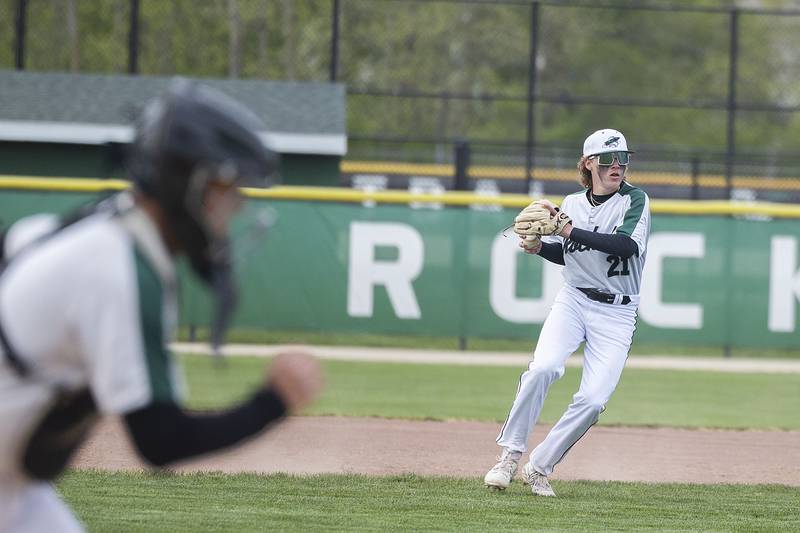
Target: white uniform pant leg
{"points": [[562, 333], [35, 507], [609, 333]]}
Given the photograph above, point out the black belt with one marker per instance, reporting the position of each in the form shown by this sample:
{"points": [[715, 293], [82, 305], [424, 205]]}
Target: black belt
{"points": [[603, 297]]}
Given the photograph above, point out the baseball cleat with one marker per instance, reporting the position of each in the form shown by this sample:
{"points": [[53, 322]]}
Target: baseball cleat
{"points": [[501, 474], [539, 483]]}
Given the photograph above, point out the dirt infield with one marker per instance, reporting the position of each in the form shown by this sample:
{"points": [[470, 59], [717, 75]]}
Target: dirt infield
{"points": [[374, 446]]}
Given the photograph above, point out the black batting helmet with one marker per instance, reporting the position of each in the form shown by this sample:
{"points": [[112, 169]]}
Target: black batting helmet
{"points": [[186, 139]]}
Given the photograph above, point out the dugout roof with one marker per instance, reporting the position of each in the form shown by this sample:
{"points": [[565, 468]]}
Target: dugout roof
{"points": [[301, 118]]}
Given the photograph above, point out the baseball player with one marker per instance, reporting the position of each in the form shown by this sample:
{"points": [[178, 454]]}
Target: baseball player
{"points": [[88, 305], [600, 236]]}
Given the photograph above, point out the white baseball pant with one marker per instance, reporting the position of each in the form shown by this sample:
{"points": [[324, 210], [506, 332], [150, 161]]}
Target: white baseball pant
{"points": [[34, 507], [607, 330]]}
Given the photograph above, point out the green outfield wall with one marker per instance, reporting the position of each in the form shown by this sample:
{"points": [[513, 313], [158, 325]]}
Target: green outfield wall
{"points": [[728, 279]]}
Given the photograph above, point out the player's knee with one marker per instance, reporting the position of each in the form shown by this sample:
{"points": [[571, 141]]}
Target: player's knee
{"points": [[550, 371], [595, 403], [597, 407]]}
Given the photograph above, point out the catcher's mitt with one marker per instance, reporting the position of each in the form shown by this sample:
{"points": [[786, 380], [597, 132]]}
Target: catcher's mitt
{"points": [[540, 218]]}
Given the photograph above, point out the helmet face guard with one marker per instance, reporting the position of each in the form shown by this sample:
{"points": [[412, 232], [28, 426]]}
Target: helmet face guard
{"points": [[188, 141]]}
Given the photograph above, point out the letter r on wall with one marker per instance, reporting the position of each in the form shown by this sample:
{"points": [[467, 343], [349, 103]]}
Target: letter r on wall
{"points": [[365, 272]]}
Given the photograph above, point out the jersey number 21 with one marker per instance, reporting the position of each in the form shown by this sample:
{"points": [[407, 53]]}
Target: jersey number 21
{"points": [[616, 261]]}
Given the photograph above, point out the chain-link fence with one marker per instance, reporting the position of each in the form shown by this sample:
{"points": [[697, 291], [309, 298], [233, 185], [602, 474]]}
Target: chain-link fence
{"points": [[709, 96]]}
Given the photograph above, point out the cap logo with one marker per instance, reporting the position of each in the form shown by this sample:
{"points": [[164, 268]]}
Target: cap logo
{"points": [[612, 142]]}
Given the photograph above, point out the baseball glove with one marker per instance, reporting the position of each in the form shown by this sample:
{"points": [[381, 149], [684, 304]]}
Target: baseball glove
{"points": [[540, 218]]}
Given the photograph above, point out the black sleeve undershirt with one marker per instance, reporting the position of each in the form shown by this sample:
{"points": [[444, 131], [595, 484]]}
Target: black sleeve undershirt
{"points": [[553, 252], [163, 432], [610, 243]]}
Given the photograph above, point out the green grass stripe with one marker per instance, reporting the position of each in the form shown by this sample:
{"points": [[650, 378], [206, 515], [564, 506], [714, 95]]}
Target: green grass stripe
{"points": [[123, 502], [443, 392], [263, 336]]}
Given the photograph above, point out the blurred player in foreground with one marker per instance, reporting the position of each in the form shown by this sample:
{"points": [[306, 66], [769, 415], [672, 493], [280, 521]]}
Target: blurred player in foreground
{"points": [[88, 306], [600, 236]]}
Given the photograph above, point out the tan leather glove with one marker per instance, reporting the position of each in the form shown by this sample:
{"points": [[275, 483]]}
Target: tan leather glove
{"points": [[540, 218]]}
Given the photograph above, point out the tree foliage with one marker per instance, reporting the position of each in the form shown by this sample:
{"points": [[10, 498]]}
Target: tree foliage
{"points": [[470, 60]]}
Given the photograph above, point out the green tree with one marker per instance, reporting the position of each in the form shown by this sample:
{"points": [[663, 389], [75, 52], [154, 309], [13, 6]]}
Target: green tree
{"points": [[585, 53]]}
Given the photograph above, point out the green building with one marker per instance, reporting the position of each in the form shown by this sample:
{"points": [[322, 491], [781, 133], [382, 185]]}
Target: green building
{"points": [[58, 124]]}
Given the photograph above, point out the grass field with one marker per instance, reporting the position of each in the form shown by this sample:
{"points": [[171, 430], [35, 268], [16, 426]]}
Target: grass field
{"points": [[442, 392], [123, 502], [453, 343], [215, 502]]}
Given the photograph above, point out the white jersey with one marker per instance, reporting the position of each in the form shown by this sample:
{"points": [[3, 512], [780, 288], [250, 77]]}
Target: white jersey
{"points": [[93, 306], [606, 328], [627, 213]]}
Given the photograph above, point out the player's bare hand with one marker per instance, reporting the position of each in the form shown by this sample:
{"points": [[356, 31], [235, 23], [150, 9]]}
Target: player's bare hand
{"points": [[530, 244], [297, 378], [566, 231]]}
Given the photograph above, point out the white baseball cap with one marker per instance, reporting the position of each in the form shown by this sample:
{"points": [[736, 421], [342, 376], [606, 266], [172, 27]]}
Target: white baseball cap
{"points": [[603, 141]]}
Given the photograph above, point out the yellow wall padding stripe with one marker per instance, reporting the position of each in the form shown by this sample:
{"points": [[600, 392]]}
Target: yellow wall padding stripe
{"points": [[568, 175], [457, 198], [329, 194], [31, 183], [381, 167]]}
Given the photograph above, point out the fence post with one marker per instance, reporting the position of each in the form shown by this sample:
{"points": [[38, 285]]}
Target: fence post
{"points": [[730, 151], [133, 39], [22, 10], [461, 157], [695, 178], [334, 75], [530, 139]]}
